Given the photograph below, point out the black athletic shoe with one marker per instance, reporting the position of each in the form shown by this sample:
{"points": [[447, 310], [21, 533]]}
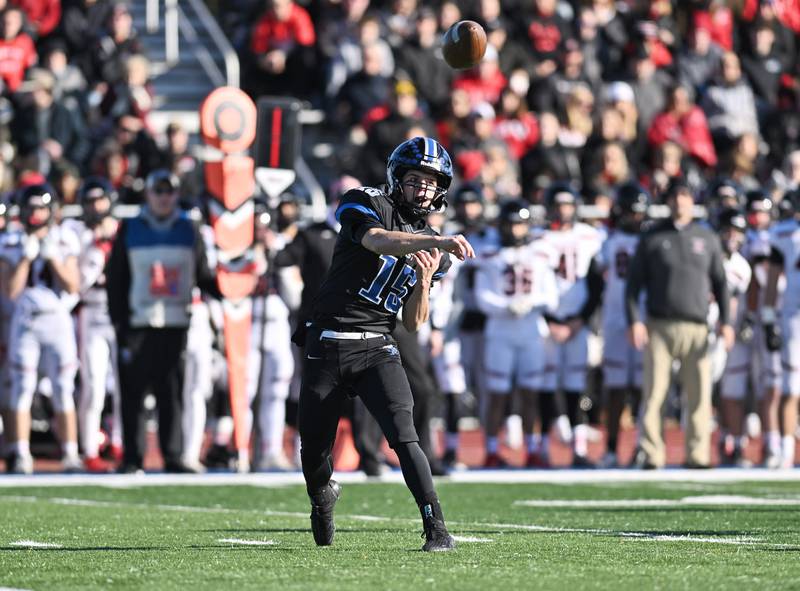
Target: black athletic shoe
{"points": [[437, 538], [583, 463], [322, 513]]}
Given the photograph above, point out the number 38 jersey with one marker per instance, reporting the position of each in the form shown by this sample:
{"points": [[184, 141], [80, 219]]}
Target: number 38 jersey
{"points": [[614, 257], [363, 291]]}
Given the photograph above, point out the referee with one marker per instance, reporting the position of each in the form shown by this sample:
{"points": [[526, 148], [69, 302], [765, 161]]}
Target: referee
{"points": [[679, 265]]}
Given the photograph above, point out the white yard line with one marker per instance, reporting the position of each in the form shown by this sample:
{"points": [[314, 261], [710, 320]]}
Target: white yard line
{"points": [[471, 539], [696, 501], [247, 542], [32, 544], [454, 525], [274, 479]]}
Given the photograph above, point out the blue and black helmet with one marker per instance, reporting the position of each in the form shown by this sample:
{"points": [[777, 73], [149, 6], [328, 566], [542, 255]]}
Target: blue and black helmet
{"points": [[425, 155]]}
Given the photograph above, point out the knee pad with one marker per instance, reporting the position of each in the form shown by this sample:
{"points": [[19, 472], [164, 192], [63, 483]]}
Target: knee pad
{"points": [[401, 429]]}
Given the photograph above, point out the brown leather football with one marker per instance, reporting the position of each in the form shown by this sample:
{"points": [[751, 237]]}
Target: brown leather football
{"points": [[464, 44]]}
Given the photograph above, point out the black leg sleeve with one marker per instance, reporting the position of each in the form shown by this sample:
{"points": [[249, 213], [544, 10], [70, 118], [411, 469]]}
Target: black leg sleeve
{"points": [[416, 472]]}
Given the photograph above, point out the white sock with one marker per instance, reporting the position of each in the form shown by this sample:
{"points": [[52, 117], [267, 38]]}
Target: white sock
{"points": [[492, 445], [773, 441], [70, 449], [451, 441], [787, 449], [564, 429], [222, 435], [581, 440], [22, 448]]}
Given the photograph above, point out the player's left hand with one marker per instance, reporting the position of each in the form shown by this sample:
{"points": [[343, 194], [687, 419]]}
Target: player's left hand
{"points": [[427, 263], [728, 336]]}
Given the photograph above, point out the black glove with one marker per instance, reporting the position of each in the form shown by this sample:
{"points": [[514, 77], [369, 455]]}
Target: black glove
{"points": [[773, 337], [746, 330]]}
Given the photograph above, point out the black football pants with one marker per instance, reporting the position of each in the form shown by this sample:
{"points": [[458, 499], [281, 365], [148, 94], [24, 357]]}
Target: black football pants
{"points": [[371, 369]]}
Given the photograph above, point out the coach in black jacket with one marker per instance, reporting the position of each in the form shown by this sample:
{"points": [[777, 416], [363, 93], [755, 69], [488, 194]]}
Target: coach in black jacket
{"points": [[679, 265]]}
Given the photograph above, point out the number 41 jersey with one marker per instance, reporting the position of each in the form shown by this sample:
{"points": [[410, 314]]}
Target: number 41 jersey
{"points": [[363, 291]]}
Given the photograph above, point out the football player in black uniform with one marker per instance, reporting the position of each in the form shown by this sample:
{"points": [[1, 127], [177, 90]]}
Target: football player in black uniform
{"points": [[386, 258]]}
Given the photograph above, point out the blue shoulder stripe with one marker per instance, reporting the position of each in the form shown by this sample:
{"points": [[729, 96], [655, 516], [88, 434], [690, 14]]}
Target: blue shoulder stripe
{"points": [[358, 207]]}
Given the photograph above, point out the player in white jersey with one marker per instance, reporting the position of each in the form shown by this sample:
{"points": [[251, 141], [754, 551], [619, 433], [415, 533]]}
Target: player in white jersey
{"points": [[784, 333], [514, 285], [199, 371], [765, 365], [42, 278], [97, 342], [733, 386], [470, 321], [622, 362], [271, 363], [575, 245]]}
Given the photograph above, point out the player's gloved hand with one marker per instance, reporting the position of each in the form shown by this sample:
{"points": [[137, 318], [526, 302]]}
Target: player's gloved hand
{"points": [[30, 247], [746, 330], [49, 249], [772, 333]]}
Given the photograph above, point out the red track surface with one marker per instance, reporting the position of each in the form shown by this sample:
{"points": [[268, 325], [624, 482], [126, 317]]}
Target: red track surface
{"points": [[471, 451]]}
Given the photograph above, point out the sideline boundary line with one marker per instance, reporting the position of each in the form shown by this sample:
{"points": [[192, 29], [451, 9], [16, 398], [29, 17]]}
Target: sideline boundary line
{"points": [[271, 479]]}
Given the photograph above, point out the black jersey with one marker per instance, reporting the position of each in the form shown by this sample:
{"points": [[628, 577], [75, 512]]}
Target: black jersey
{"points": [[363, 291]]}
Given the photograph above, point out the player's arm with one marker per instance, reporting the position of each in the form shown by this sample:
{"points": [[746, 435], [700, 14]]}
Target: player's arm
{"points": [[15, 277], [382, 241], [417, 307], [66, 272], [769, 319]]}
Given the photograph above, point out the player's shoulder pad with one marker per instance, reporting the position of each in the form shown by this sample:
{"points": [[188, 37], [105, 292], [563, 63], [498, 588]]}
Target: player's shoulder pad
{"points": [[368, 201]]}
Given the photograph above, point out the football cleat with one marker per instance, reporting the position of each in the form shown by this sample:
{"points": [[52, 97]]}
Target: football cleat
{"points": [[96, 465], [609, 461], [437, 538], [322, 505], [493, 461], [536, 460], [19, 464], [583, 463]]}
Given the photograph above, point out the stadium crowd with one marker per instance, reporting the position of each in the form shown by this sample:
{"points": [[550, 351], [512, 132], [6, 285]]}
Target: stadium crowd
{"points": [[583, 118]]}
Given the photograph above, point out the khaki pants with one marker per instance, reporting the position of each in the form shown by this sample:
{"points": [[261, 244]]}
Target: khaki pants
{"points": [[688, 343]]}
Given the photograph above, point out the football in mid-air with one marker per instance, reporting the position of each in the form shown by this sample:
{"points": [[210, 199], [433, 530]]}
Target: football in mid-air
{"points": [[464, 44]]}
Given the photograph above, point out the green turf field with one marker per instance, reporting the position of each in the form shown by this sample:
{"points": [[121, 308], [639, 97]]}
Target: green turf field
{"points": [[669, 535]]}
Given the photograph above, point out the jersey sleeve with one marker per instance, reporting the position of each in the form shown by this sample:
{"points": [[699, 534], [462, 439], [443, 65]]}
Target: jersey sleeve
{"points": [[444, 266], [358, 212]]}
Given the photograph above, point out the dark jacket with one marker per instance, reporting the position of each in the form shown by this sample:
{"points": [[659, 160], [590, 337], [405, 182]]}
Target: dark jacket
{"points": [[678, 269]]}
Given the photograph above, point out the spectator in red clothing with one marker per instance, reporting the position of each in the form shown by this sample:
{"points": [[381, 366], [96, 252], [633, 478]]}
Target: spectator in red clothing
{"points": [[282, 58], [684, 123], [43, 15], [17, 52], [720, 18], [515, 124], [484, 82]]}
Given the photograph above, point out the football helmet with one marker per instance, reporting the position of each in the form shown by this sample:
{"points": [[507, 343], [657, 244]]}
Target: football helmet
{"points": [[630, 206], [470, 217], [560, 193], [790, 204], [92, 189], [732, 227], [425, 155], [511, 214], [33, 198]]}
